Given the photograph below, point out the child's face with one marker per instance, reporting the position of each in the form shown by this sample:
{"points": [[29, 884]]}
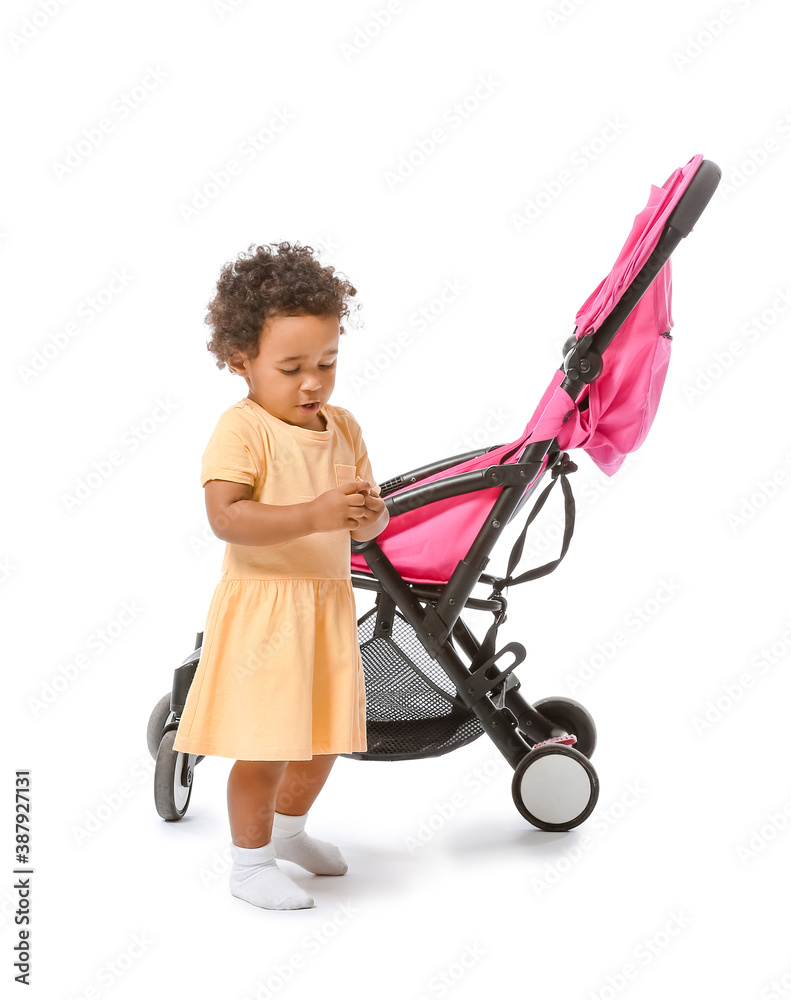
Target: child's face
{"points": [[294, 373]]}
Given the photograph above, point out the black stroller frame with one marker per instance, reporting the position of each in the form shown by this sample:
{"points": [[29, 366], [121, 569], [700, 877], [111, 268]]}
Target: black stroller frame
{"points": [[548, 743], [507, 723]]}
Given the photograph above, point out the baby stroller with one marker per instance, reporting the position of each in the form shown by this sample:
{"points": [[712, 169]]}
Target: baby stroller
{"points": [[431, 685]]}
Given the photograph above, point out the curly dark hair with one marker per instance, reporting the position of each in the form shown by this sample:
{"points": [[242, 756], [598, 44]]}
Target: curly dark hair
{"points": [[278, 279]]}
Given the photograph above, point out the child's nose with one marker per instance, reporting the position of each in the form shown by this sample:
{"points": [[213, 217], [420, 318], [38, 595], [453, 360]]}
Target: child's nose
{"points": [[311, 383]]}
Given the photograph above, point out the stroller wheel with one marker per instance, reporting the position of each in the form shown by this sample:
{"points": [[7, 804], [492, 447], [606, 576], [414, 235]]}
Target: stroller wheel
{"points": [[555, 787], [572, 718], [172, 779], [156, 724]]}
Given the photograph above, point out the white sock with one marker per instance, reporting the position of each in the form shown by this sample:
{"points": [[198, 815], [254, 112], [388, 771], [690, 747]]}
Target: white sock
{"points": [[256, 878], [291, 843]]}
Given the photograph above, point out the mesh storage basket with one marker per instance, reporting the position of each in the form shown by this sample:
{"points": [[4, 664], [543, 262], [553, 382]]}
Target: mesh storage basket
{"points": [[412, 709]]}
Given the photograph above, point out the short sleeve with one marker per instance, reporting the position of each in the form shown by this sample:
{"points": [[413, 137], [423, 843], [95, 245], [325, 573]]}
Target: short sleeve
{"points": [[361, 460], [234, 451]]}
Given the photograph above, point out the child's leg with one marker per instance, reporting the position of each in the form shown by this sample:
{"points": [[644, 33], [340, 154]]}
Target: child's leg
{"points": [[255, 876], [252, 789], [301, 784]]}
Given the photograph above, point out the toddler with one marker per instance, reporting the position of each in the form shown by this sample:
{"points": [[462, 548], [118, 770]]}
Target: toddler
{"points": [[279, 686]]}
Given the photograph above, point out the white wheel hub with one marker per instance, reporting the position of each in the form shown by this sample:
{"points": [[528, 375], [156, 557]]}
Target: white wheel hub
{"points": [[555, 789], [180, 792]]}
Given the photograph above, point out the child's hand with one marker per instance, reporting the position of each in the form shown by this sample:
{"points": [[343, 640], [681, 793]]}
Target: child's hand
{"points": [[373, 488], [374, 516], [343, 507], [374, 506]]}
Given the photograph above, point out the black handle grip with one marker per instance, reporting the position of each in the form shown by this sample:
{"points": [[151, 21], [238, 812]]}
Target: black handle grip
{"points": [[697, 195]]}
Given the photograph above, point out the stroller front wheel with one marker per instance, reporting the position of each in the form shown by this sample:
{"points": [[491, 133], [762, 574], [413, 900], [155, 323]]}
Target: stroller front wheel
{"points": [[555, 787], [573, 718], [172, 779]]}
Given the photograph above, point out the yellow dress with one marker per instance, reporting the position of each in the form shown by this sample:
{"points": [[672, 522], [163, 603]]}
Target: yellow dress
{"points": [[280, 675]]}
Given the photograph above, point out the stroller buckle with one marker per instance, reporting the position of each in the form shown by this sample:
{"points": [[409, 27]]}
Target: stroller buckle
{"points": [[564, 466], [499, 615]]}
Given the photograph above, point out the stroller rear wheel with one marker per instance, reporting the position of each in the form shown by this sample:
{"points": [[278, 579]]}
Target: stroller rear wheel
{"points": [[172, 779], [156, 724], [572, 718], [555, 787]]}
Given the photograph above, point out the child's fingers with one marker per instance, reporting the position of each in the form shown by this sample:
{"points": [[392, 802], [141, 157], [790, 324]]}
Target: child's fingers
{"points": [[361, 485], [372, 488]]}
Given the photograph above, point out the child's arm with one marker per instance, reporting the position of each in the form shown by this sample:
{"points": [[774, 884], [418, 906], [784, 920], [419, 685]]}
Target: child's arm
{"points": [[236, 518]]}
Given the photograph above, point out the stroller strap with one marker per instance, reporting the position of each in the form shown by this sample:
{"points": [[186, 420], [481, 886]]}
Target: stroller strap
{"points": [[561, 471]]}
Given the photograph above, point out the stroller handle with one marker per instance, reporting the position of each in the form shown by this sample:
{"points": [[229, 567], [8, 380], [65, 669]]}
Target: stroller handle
{"points": [[692, 202], [678, 225]]}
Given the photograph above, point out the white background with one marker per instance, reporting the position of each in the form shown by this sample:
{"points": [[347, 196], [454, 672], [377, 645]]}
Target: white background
{"points": [[673, 883]]}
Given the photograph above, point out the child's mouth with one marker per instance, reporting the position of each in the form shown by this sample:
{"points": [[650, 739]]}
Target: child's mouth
{"points": [[308, 407]]}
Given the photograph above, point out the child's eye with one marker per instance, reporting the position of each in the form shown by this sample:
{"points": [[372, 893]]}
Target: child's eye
{"points": [[294, 371]]}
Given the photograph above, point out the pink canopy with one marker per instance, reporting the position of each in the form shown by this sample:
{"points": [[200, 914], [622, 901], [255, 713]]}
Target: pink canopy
{"points": [[623, 401], [426, 544]]}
